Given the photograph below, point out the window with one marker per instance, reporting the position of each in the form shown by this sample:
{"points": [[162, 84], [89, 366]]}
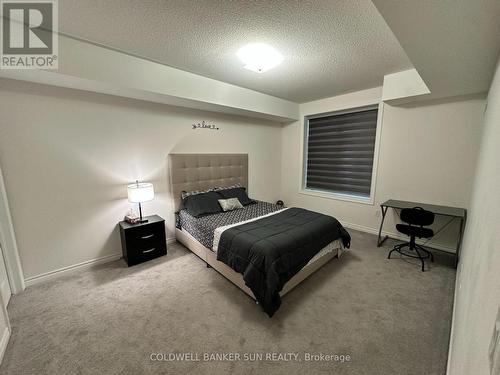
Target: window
{"points": [[339, 152]]}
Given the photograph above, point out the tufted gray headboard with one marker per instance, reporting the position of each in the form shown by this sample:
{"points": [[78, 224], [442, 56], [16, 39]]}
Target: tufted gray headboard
{"points": [[204, 171]]}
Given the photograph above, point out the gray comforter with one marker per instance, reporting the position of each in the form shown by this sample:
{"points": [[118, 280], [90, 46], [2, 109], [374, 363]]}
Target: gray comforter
{"points": [[270, 251]]}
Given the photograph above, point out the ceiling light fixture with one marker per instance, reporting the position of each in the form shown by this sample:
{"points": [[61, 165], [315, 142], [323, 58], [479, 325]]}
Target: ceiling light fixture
{"points": [[259, 57]]}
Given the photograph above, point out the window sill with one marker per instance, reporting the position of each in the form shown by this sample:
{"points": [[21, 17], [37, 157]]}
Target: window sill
{"points": [[338, 196]]}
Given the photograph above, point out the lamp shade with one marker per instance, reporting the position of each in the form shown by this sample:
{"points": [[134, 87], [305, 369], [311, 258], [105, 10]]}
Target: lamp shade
{"points": [[140, 192]]}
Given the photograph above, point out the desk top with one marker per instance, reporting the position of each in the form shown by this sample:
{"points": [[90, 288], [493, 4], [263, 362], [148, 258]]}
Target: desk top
{"points": [[438, 210]]}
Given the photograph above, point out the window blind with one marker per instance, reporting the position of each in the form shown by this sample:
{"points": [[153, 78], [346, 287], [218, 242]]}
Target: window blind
{"points": [[340, 151]]}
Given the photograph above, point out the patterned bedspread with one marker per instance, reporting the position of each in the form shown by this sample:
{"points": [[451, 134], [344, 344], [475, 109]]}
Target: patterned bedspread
{"points": [[203, 228]]}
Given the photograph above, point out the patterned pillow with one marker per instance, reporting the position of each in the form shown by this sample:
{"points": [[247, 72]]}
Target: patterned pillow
{"points": [[230, 204], [185, 194], [219, 188]]}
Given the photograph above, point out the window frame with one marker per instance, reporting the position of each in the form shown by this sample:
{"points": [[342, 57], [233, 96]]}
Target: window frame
{"points": [[337, 195]]}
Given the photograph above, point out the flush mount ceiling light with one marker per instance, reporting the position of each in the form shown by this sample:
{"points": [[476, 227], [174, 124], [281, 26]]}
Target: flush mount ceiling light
{"points": [[259, 57]]}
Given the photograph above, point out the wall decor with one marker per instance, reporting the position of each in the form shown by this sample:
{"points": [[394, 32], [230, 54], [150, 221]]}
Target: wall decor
{"points": [[204, 125]]}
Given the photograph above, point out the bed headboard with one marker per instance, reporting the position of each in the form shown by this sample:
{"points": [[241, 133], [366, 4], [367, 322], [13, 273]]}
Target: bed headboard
{"points": [[203, 171]]}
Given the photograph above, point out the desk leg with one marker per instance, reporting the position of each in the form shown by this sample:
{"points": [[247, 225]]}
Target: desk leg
{"points": [[459, 242], [379, 240]]}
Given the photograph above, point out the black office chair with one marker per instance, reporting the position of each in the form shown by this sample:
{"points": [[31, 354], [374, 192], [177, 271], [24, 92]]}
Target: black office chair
{"points": [[416, 218]]}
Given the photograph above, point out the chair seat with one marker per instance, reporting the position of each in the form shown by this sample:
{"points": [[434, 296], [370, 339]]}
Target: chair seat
{"points": [[415, 231]]}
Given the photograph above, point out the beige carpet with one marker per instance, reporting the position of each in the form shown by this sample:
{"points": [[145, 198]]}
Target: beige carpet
{"points": [[389, 317]]}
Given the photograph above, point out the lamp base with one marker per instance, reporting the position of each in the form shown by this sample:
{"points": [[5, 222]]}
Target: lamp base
{"points": [[141, 220]]}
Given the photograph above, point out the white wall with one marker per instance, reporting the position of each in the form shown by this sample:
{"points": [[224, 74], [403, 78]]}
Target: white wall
{"points": [[403, 87], [427, 154], [4, 319], [477, 293], [67, 156]]}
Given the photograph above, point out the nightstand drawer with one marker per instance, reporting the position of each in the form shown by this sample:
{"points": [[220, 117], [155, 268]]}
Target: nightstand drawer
{"points": [[152, 249], [146, 232]]}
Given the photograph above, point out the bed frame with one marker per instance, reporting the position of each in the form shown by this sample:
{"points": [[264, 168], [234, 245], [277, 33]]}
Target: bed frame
{"points": [[189, 172]]}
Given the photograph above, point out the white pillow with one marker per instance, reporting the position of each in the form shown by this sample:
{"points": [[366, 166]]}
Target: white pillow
{"points": [[230, 204]]}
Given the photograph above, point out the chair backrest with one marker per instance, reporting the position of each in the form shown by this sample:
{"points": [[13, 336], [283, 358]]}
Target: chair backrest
{"points": [[417, 216]]}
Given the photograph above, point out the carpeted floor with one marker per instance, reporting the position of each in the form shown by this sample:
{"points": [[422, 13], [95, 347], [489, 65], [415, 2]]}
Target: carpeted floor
{"points": [[386, 315]]}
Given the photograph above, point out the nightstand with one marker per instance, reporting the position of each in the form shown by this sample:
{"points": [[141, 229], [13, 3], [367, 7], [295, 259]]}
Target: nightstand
{"points": [[144, 241]]}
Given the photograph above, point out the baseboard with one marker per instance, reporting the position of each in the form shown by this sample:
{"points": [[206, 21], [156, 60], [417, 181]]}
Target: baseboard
{"points": [[4, 341], [79, 266], [397, 236]]}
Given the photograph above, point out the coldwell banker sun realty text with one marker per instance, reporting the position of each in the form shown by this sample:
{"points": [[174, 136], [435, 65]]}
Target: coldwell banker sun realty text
{"points": [[250, 357], [29, 34]]}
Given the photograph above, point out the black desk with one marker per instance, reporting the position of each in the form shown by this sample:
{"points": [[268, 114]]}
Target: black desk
{"points": [[456, 212]]}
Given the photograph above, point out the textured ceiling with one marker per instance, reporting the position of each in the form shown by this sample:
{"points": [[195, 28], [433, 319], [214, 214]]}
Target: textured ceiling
{"points": [[329, 47], [454, 45]]}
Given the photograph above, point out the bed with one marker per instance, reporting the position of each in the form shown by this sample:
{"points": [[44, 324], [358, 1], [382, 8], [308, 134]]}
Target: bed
{"points": [[210, 237]]}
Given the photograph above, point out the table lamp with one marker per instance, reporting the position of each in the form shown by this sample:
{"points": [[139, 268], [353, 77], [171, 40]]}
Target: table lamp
{"points": [[139, 193]]}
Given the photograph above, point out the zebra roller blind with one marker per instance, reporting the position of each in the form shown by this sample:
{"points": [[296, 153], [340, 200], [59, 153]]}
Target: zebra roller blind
{"points": [[340, 150]]}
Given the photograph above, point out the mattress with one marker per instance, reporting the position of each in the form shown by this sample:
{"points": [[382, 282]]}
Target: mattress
{"points": [[203, 228]]}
